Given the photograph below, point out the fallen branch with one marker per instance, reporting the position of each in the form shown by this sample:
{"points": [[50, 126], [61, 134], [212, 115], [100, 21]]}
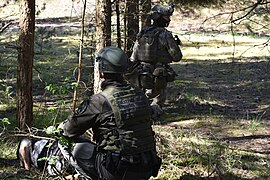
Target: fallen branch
{"points": [[5, 27], [33, 136]]}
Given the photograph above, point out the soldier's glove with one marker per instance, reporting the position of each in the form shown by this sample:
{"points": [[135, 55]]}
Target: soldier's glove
{"points": [[177, 40]]}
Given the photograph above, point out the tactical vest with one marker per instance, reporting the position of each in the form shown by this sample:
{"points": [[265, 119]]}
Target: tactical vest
{"points": [[131, 110], [149, 49]]}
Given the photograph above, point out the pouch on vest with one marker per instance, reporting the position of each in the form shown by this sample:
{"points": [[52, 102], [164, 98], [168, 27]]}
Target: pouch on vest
{"points": [[146, 80], [160, 71], [160, 81]]}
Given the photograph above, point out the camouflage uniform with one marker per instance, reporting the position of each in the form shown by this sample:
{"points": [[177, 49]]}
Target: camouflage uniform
{"points": [[153, 50], [122, 147], [120, 119]]}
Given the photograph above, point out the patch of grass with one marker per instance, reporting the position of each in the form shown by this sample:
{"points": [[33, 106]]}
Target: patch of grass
{"points": [[8, 146], [205, 132], [187, 150], [199, 47]]}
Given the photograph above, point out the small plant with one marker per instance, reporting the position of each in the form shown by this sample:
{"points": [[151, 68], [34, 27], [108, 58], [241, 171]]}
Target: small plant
{"points": [[6, 93], [43, 38], [56, 110], [61, 89], [51, 130], [254, 122], [5, 122]]}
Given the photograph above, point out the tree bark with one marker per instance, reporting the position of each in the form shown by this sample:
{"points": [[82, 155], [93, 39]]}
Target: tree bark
{"points": [[25, 64], [118, 23], [145, 8], [132, 24], [103, 33], [80, 59]]}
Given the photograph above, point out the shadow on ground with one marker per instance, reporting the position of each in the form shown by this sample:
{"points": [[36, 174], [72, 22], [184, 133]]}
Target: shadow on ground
{"points": [[233, 89]]}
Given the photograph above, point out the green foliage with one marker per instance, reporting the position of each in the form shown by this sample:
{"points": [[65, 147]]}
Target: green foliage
{"points": [[43, 38], [66, 141], [52, 130], [187, 152], [254, 122], [5, 121], [6, 92], [51, 159], [60, 89], [56, 132]]}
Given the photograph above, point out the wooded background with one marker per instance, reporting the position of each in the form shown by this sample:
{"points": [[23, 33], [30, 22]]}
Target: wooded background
{"points": [[47, 66]]}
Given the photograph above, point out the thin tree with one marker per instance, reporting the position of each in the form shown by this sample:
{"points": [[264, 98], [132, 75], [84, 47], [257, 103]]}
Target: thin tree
{"points": [[145, 8], [103, 33], [244, 14], [25, 64], [118, 27], [80, 58], [132, 24]]}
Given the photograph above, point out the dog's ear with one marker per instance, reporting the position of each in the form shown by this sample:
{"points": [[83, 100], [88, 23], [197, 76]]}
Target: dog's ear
{"points": [[23, 153]]}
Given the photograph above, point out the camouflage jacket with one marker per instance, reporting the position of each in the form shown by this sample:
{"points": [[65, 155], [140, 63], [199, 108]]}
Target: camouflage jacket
{"points": [[166, 41], [98, 113]]}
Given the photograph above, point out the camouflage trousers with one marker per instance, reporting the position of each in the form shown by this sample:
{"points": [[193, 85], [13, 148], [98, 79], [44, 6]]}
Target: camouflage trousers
{"points": [[152, 78]]}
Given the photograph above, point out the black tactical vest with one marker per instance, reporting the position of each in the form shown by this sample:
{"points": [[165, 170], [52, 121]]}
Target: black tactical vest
{"points": [[131, 109], [149, 49]]}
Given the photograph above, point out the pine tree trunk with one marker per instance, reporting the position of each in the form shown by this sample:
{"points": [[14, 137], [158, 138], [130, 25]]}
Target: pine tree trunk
{"points": [[103, 33], [132, 24], [25, 64], [117, 9], [145, 8]]}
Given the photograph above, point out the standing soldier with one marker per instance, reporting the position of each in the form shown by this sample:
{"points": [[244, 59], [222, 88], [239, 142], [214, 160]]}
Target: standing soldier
{"points": [[154, 49]]}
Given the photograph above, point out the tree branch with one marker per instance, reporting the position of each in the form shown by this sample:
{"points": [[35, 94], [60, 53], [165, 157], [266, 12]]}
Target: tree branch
{"points": [[5, 27], [33, 136], [252, 8], [80, 58]]}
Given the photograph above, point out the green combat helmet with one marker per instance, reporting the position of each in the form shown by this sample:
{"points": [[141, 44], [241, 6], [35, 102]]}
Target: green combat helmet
{"points": [[159, 10], [112, 60]]}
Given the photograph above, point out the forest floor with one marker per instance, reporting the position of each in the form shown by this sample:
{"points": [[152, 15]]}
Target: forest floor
{"points": [[216, 122]]}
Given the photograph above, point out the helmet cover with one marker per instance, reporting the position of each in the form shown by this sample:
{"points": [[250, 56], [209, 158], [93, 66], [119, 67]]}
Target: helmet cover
{"points": [[112, 60]]}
